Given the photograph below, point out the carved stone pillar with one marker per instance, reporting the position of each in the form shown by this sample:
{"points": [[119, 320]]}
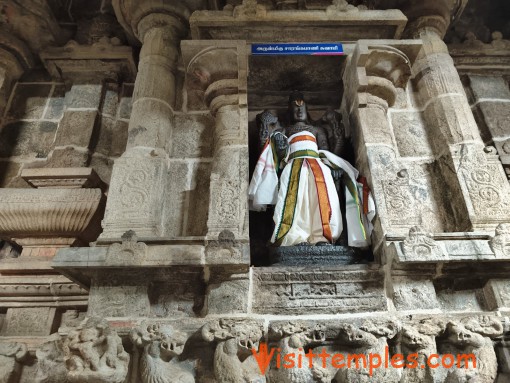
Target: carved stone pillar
{"points": [[139, 177], [222, 73], [474, 177], [372, 80]]}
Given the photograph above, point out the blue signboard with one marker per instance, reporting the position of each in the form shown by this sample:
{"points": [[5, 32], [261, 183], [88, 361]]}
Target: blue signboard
{"points": [[322, 49]]}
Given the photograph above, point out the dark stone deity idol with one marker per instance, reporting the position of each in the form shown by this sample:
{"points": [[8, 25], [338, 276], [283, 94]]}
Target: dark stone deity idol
{"points": [[299, 171]]}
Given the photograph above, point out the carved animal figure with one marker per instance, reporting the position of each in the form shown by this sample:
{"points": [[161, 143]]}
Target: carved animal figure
{"points": [[469, 339], [228, 368], [11, 355], [233, 358], [295, 340], [50, 362], [159, 360], [419, 344], [363, 341]]}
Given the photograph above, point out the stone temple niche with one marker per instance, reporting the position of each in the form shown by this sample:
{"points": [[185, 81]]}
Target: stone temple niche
{"points": [[271, 79]]}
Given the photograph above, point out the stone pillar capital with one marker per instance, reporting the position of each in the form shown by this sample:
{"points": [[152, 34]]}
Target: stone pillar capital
{"points": [[385, 69], [432, 16], [138, 17], [172, 27], [217, 71]]}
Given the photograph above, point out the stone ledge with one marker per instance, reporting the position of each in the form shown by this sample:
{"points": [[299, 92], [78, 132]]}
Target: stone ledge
{"points": [[422, 247], [329, 290], [326, 26]]}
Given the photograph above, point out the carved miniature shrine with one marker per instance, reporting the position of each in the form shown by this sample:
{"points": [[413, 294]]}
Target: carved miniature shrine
{"points": [[175, 205]]}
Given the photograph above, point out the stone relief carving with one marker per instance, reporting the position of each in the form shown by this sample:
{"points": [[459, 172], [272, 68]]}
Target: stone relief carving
{"points": [[420, 245], [129, 250], [421, 339], [472, 336], [484, 182], [160, 347], [51, 367], [369, 338], [339, 6], [295, 338], [249, 8], [94, 353], [11, 357], [500, 243], [233, 358]]}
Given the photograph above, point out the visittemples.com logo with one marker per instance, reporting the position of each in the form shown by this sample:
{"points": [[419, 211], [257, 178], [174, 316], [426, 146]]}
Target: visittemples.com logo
{"points": [[266, 356]]}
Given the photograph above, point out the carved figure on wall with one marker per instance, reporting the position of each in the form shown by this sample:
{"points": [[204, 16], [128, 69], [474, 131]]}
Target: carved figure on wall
{"points": [[370, 338], [51, 367], [420, 340], [233, 358], [500, 243], [472, 337], [160, 347], [307, 207], [11, 357], [94, 353], [295, 338]]}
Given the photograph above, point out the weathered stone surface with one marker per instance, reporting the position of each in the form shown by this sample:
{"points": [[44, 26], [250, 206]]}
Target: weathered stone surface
{"points": [[56, 103], [135, 195], [111, 298], [192, 136], [8, 170], [411, 135], [27, 138], [497, 117], [61, 177], [198, 199], [50, 362], [93, 353], [29, 101], [160, 348], [333, 290], [84, 96], [11, 355], [473, 336], [48, 212], [257, 25], [112, 138], [125, 103], [68, 157], [497, 294], [233, 359], [76, 128], [410, 294], [229, 295], [492, 87], [30, 321]]}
